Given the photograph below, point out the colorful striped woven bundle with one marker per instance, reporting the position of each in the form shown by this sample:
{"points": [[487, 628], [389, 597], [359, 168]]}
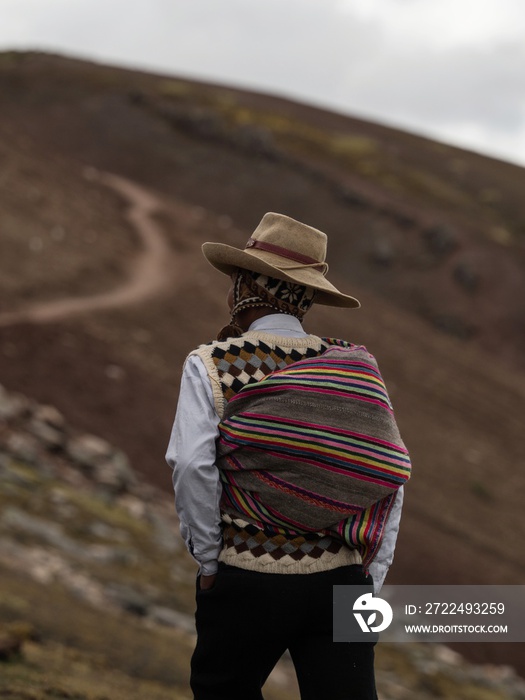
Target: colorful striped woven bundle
{"points": [[314, 447]]}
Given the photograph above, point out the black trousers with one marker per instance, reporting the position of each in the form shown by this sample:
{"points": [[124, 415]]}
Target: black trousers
{"points": [[248, 619]]}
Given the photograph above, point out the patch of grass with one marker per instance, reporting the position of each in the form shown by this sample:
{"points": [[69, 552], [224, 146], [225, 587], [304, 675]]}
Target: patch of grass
{"points": [[390, 658], [90, 654], [97, 507], [26, 473], [405, 662], [134, 559], [118, 641], [437, 189], [352, 146], [174, 89], [441, 685], [500, 234], [13, 602], [53, 671], [10, 59], [354, 151]]}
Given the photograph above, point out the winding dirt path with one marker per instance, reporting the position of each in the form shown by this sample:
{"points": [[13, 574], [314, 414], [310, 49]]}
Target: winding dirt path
{"points": [[149, 274]]}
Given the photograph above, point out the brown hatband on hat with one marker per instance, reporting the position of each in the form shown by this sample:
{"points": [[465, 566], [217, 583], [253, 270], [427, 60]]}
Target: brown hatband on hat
{"points": [[286, 249]]}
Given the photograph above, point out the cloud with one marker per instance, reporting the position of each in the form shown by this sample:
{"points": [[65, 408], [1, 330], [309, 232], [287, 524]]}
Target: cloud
{"points": [[441, 68], [443, 24], [452, 87]]}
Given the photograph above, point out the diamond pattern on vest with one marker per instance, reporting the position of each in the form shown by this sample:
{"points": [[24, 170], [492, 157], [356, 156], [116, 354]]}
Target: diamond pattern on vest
{"points": [[238, 365], [251, 538]]}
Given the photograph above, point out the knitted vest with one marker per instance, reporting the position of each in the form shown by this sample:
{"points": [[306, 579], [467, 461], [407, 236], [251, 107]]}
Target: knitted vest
{"points": [[231, 365]]}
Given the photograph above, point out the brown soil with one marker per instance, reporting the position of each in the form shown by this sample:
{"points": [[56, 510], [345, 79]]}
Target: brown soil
{"points": [[150, 272], [430, 238]]}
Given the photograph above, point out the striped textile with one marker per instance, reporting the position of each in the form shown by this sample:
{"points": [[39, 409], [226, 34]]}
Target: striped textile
{"points": [[314, 447]]}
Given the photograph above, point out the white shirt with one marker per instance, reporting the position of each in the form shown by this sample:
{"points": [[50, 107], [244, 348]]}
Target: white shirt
{"points": [[191, 455]]}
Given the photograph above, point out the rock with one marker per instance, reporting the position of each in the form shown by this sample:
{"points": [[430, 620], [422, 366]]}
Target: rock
{"points": [[108, 466], [454, 325], [466, 276], [23, 447], [105, 554], [52, 438], [51, 533], [195, 120], [88, 450], [164, 533], [401, 218], [49, 415], [171, 618], [353, 197], [447, 656], [134, 506], [440, 239], [46, 567], [115, 474], [128, 599], [63, 507], [106, 532], [382, 252], [255, 139], [11, 405], [395, 689]]}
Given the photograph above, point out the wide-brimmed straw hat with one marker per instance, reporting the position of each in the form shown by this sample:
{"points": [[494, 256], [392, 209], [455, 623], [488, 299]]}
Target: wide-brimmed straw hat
{"points": [[284, 248]]}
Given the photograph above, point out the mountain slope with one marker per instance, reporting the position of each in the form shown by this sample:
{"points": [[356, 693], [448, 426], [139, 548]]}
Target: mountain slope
{"points": [[430, 238], [96, 590]]}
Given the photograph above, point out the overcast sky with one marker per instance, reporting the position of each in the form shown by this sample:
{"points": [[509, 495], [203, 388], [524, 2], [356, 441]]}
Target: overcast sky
{"points": [[450, 69]]}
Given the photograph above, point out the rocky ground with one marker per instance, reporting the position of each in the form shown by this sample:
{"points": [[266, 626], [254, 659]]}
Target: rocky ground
{"points": [[96, 589]]}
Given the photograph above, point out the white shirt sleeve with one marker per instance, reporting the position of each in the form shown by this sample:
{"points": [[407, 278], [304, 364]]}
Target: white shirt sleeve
{"points": [[191, 455], [385, 554]]}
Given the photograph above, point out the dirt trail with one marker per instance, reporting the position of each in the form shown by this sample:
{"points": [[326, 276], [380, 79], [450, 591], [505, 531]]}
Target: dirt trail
{"points": [[149, 274]]}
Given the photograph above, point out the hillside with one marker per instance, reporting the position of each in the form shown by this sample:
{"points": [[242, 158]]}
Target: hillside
{"points": [[96, 595], [112, 179]]}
